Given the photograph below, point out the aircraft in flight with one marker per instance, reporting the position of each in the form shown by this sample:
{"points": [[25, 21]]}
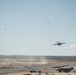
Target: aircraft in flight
{"points": [[58, 43]]}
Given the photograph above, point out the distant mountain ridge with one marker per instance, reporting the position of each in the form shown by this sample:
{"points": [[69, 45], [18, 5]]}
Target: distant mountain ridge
{"points": [[70, 58]]}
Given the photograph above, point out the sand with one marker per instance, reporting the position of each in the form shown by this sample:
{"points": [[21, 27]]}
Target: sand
{"points": [[27, 73], [8, 63]]}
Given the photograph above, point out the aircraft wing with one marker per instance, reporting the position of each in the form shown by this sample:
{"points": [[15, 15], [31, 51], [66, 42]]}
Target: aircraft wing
{"points": [[63, 43], [55, 44]]}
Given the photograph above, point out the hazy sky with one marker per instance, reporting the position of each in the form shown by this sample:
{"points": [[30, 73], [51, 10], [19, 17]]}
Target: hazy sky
{"points": [[30, 27]]}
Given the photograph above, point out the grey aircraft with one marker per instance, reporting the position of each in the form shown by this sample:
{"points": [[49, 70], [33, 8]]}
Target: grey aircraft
{"points": [[59, 43]]}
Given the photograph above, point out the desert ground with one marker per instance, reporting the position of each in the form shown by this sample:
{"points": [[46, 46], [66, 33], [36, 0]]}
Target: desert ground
{"points": [[47, 65], [26, 73]]}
